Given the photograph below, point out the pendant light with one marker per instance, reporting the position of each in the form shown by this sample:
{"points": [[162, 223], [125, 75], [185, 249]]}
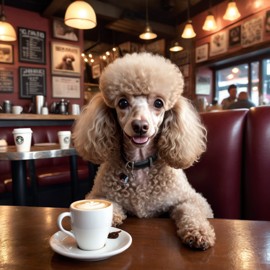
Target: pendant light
{"points": [[148, 34], [210, 22], [176, 47], [232, 12], [7, 31], [80, 15], [188, 30]]}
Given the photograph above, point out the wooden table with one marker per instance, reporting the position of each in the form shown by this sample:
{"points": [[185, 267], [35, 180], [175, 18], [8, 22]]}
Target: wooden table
{"points": [[25, 234], [18, 167]]}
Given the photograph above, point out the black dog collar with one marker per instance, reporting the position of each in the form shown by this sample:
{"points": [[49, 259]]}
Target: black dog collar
{"points": [[139, 164]]}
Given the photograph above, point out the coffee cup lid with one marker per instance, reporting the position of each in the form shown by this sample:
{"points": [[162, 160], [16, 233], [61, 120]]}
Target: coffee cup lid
{"points": [[22, 130]]}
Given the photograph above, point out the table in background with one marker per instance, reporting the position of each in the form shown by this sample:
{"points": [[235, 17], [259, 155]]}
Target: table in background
{"points": [[25, 233], [18, 167]]}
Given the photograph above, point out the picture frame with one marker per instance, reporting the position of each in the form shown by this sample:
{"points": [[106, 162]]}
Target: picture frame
{"points": [[32, 45], [252, 32], [63, 31], [7, 80], [32, 81], [66, 59], [66, 87], [267, 21], [235, 36], [6, 54], [219, 43], [203, 84], [96, 71], [201, 53]]}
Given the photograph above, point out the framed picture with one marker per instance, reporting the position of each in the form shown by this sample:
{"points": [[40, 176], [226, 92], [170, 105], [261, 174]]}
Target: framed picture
{"points": [[32, 46], [66, 59], [203, 84], [7, 78], [267, 21], [218, 43], [66, 87], [63, 31], [201, 53], [32, 81], [6, 54], [252, 32], [235, 36]]}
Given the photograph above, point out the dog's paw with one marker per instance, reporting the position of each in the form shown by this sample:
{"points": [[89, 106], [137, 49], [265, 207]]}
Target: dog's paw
{"points": [[117, 220], [198, 238]]}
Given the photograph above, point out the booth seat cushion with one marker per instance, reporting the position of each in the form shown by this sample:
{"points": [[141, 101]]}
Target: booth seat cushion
{"points": [[217, 175], [257, 169]]}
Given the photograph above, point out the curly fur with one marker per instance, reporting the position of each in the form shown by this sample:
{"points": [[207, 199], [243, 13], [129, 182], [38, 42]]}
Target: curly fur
{"points": [[168, 127]]}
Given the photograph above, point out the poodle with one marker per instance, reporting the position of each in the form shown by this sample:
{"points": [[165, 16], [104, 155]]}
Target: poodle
{"points": [[143, 132], [67, 62]]}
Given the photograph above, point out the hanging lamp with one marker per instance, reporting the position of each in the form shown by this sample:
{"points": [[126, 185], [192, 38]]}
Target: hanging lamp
{"points": [[232, 12], [188, 30], [7, 31], [148, 34], [80, 15], [176, 47], [210, 21]]}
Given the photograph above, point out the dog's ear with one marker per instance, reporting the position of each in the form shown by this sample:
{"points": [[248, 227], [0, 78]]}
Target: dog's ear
{"points": [[183, 137], [95, 133]]}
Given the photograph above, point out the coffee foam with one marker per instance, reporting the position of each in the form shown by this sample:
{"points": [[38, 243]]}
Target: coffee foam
{"points": [[91, 205]]}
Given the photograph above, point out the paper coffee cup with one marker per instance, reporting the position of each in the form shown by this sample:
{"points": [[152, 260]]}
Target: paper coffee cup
{"points": [[22, 139], [64, 139]]}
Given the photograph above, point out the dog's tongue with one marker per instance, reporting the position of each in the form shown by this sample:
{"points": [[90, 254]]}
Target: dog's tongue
{"points": [[140, 140]]}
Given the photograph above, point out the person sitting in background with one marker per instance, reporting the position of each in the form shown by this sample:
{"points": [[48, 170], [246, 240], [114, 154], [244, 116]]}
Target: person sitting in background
{"points": [[226, 102], [242, 102], [214, 106]]}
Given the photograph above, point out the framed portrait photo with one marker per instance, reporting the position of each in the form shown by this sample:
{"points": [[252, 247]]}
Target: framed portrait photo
{"points": [[66, 59], [6, 54], [201, 53], [63, 31]]}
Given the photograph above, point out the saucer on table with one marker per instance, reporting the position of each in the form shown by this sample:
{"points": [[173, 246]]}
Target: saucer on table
{"points": [[65, 245]]}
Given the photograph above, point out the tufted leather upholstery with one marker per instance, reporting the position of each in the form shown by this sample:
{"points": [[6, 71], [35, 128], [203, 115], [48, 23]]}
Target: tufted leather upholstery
{"points": [[218, 173], [257, 165]]}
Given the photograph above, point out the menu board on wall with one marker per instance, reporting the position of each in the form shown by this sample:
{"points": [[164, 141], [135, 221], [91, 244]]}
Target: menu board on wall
{"points": [[6, 81], [32, 82], [32, 46]]}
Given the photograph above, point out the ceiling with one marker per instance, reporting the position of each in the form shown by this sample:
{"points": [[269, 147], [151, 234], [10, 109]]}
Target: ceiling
{"points": [[119, 21]]}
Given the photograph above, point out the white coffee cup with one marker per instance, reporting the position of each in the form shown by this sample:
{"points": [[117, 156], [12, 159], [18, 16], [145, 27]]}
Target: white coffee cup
{"points": [[17, 109], [75, 109], [64, 139], [91, 221], [22, 139]]}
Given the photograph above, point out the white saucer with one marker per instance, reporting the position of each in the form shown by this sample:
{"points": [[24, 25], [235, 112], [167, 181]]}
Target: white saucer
{"points": [[65, 245]]}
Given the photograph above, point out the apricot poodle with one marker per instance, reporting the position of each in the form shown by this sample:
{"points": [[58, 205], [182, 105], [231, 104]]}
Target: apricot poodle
{"points": [[143, 132]]}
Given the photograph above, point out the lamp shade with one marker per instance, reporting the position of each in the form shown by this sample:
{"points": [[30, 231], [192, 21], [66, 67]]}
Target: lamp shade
{"points": [[81, 15], [188, 31], [176, 47], [232, 12], [148, 33], [210, 23], [7, 32]]}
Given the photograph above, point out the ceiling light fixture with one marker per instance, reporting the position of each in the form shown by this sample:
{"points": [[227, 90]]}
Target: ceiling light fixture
{"points": [[232, 12], [148, 33], [80, 15], [7, 31], [176, 47], [188, 30], [210, 21]]}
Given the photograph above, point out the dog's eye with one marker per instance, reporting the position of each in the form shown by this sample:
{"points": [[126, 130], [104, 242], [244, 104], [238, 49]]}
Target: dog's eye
{"points": [[158, 103], [123, 103]]}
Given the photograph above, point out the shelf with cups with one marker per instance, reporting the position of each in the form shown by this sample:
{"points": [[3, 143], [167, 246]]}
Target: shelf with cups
{"points": [[20, 120]]}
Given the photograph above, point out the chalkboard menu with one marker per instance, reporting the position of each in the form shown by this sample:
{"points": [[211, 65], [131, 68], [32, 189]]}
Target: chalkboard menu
{"points": [[32, 82], [6, 81], [32, 46]]}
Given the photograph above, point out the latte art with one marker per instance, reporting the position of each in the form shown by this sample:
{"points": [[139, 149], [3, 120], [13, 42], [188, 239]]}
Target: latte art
{"points": [[92, 205]]}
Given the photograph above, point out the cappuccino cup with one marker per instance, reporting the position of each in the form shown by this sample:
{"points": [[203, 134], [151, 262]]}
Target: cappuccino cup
{"points": [[90, 220], [17, 109]]}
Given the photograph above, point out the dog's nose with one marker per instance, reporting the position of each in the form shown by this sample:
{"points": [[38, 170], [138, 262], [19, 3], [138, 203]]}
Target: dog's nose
{"points": [[140, 126]]}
